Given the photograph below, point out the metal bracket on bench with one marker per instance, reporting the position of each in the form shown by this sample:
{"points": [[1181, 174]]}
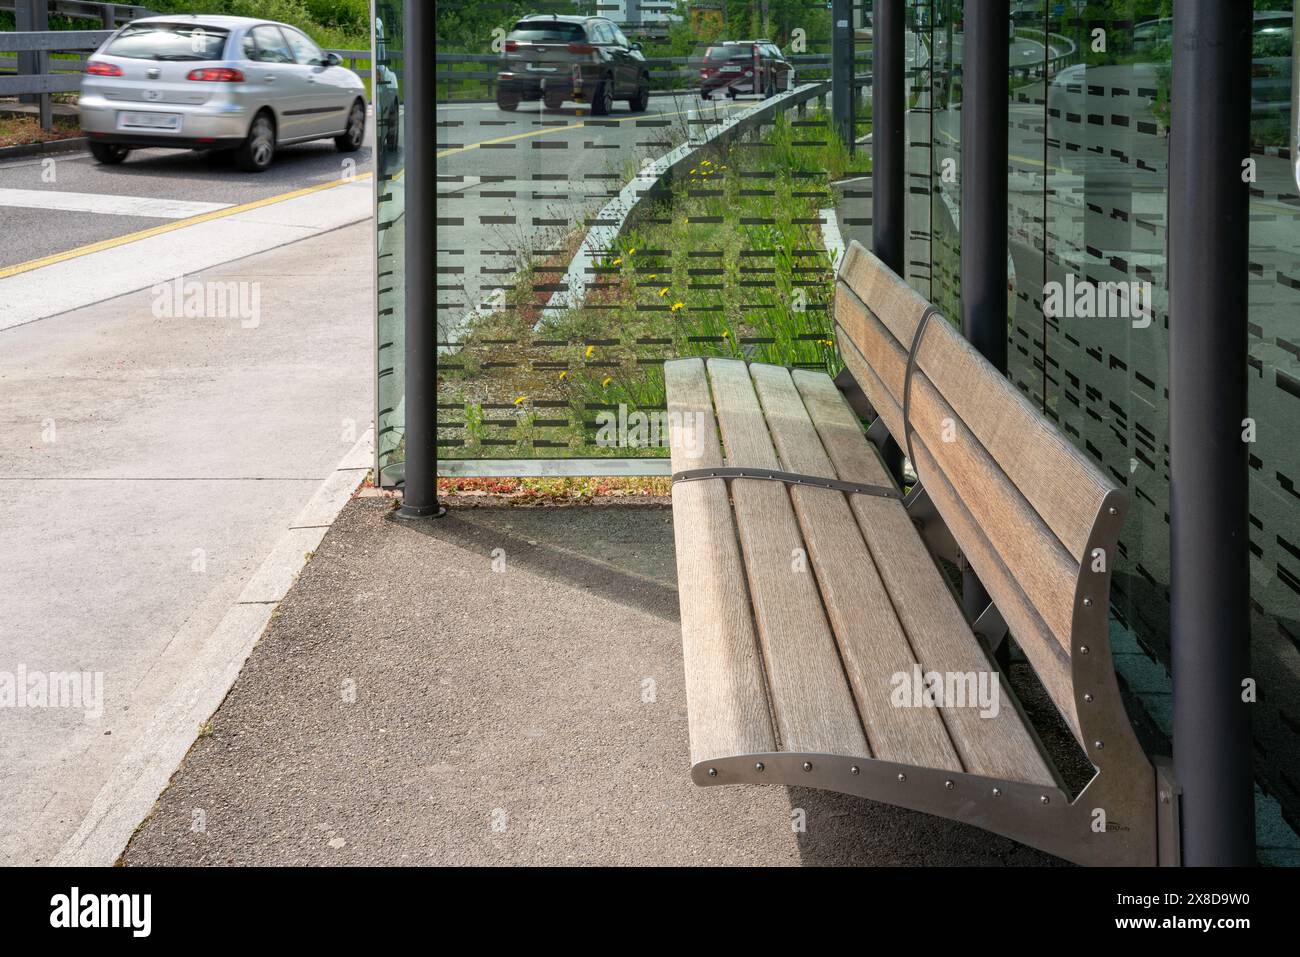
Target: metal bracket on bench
{"points": [[990, 628], [788, 478], [854, 395], [878, 434], [934, 532]]}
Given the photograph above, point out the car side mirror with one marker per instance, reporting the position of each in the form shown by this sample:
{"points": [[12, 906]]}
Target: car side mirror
{"points": [[332, 59], [636, 45]]}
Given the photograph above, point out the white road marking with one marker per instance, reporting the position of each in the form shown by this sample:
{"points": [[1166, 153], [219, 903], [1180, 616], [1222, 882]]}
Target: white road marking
{"points": [[106, 205]]}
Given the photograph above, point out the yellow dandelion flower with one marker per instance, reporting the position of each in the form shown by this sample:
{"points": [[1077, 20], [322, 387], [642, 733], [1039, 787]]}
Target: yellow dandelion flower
{"points": [[590, 351], [564, 375], [678, 305], [654, 275], [693, 172], [663, 292], [606, 381], [631, 252], [618, 262], [521, 400], [726, 334]]}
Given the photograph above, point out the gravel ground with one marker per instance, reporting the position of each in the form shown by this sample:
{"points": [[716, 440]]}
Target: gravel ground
{"points": [[410, 705]]}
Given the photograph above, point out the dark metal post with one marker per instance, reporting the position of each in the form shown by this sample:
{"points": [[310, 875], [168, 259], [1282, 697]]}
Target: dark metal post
{"points": [[420, 492], [888, 102], [1208, 468], [984, 204], [842, 79]]}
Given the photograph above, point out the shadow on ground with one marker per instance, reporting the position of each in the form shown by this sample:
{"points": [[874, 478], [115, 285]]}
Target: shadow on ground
{"points": [[409, 704]]}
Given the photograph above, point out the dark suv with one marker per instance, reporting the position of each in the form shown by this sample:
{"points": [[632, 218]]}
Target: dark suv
{"points": [[745, 66], [586, 59]]}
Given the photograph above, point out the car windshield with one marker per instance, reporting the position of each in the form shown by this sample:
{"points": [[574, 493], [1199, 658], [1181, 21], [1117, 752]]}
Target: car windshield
{"points": [[729, 53], [557, 32], [169, 41]]}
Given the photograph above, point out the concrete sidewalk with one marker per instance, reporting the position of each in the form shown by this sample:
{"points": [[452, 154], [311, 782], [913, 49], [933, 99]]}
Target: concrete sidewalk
{"points": [[152, 464], [410, 705]]}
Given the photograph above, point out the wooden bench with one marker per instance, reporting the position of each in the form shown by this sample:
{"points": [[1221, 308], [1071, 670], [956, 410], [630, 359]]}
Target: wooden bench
{"points": [[810, 591]]}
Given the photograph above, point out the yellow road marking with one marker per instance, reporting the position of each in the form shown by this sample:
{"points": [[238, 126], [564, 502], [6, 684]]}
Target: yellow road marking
{"points": [[564, 129], [8, 271]]}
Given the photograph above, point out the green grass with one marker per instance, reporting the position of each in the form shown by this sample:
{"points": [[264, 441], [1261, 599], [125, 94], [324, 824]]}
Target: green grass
{"points": [[730, 262]]}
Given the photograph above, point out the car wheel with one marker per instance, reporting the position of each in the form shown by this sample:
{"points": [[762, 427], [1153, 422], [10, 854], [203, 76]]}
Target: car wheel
{"points": [[355, 134], [554, 101], [257, 152], [507, 101], [602, 103], [110, 154], [639, 102], [704, 96]]}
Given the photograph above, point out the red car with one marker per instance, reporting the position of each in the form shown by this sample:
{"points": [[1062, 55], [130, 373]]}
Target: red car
{"points": [[745, 66]]}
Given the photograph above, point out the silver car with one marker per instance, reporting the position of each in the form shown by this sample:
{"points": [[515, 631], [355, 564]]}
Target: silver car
{"points": [[217, 83]]}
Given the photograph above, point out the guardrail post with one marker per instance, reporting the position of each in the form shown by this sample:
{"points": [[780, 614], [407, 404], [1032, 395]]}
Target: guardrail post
{"points": [[1209, 235], [30, 15], [420, 492], [842, 78], [108, 16]]}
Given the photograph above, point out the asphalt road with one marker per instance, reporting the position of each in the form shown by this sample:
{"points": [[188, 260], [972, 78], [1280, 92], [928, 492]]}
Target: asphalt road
{"points": [[34, 230]]}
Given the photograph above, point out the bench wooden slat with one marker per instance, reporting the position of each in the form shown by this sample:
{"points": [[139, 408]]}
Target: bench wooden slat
{"points": [[1044, 571], [885, 355], [1049, 661], [894, 303], [810, 696], [996, 747], [725, 690], [1063, 486], [872, 643]]}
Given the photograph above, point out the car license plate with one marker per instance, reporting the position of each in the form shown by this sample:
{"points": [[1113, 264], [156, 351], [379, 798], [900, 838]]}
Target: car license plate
{"points": [[538, 68], [731, 69], [150, 121]]}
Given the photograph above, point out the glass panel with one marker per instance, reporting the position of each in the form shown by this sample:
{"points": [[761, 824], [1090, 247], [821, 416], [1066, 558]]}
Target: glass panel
{"points": [[1105, 284], [390, 168], [1274, 377], [554, 321]]}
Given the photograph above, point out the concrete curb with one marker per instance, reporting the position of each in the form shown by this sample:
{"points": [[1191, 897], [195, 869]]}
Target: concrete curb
{"points": [[610, 221], [133, 787], [74, 144]]}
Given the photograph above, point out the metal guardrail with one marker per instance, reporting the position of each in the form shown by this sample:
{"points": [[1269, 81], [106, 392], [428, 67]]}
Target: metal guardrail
{"points": [[109, 14]]}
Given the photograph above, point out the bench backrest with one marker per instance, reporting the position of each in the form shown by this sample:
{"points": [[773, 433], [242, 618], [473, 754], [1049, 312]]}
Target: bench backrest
{"points": [[1034, 518]]}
